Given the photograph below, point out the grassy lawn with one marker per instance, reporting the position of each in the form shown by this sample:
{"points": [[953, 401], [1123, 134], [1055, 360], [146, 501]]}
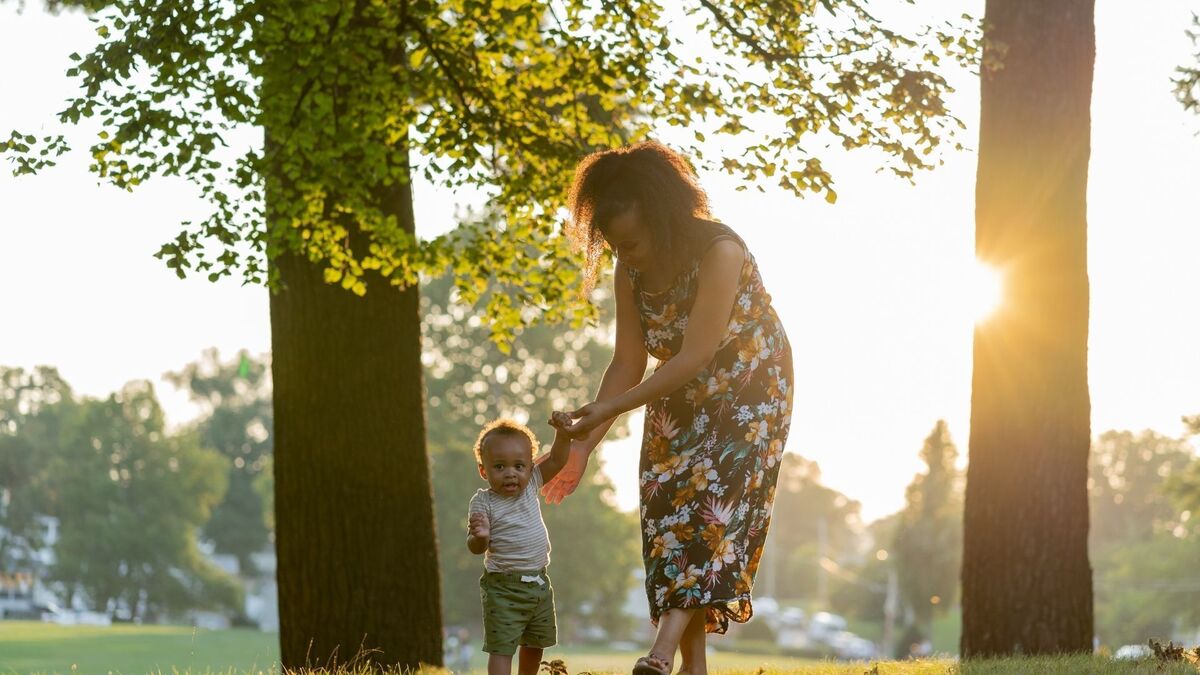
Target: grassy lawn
{"points": [[29, 647], [601, 661], [32, 647]]}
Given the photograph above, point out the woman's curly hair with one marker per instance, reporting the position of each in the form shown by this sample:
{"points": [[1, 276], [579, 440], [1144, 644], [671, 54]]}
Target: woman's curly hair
{"points": [[649, 177]]}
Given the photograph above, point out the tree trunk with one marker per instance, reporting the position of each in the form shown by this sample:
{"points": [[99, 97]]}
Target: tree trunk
{"points": [[357, 553], [1026, 580]]}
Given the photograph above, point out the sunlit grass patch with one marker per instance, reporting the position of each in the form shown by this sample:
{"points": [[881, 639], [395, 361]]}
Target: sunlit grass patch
{"points": [[36, 648]]}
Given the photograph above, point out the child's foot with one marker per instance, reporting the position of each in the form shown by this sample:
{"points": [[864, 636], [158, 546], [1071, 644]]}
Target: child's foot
{"points": [[652, 664]]}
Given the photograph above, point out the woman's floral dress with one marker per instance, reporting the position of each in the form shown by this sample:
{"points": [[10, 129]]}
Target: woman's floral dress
{"points": [[711, 451]]}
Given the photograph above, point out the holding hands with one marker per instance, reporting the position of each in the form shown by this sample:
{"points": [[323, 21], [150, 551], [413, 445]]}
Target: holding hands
{"points": [[575, 425], [580, 423]]}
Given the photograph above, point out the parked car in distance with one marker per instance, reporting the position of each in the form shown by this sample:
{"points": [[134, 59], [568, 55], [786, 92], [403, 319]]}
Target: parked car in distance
{"points": [[1131, 653]]}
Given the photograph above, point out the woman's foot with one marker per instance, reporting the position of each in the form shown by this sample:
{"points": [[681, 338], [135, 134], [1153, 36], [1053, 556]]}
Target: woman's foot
{"points": [[652, 664]]}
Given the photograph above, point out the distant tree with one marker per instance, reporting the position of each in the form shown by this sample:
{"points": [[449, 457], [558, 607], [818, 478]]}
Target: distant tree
{"points": [[1144, 544], [1184, 487], [1148, 590], [927, 545], [130, 500], [583, 532], [34, 407], [822, 527], [236, 420], [862, 592], [1026, 579], [1128, 476]]}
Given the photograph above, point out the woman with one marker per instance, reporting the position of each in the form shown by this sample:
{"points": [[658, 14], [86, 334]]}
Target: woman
{"points": [[718, 406]]}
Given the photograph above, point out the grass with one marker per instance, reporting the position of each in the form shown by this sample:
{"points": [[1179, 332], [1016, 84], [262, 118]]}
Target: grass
{"points": [[1092, 665], [30, 647], [601, 661], [34, 647]]}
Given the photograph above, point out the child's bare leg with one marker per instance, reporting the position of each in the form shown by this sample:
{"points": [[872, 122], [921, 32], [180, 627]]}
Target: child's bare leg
{"points": [[499, 664], [529, 660], [692, 646]]}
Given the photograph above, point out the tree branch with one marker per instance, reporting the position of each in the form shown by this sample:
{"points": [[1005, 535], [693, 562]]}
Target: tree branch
{"points": [[772, 56], [460, 90]]}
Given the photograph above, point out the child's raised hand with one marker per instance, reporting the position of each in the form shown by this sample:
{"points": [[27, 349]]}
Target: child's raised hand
{"points": [[560, 420], [478, 525], [580, 423]]}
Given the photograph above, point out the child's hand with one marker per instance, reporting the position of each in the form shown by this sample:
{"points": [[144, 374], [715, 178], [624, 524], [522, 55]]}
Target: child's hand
{"points": [[478, 526], [580, 423], [560, 420]]}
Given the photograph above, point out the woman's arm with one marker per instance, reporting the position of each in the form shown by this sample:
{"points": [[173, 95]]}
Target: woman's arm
{"points": [[626, 369], [720, 270]]}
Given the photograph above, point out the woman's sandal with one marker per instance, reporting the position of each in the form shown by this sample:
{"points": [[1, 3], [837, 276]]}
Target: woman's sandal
{"points": [[652, 664]]}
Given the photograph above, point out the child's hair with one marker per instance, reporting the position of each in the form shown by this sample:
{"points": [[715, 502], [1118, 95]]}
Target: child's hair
{"points": [[503, 427], [649, 177]]}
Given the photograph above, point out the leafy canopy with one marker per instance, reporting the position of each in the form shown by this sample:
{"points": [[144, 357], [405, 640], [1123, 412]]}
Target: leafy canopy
{"points": [[324, 103], [1187, 84]]}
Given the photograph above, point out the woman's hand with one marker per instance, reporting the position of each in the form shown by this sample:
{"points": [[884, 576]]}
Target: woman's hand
{"points": [[568, 477], [587, 418]]}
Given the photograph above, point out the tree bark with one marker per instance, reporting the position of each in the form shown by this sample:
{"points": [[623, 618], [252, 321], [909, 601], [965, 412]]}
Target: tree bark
{"points": [[1026, 580], [357, 553]]}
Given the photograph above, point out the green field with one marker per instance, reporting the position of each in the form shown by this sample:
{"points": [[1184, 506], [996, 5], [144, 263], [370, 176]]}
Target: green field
{"points": [[29, 647]]}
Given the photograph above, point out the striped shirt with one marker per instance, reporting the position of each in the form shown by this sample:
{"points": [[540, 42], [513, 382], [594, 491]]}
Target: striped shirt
{"points": [[518, 535]]}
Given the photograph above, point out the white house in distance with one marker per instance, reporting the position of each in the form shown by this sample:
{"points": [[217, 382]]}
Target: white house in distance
{"points": [[22, 592], [262, 598]]}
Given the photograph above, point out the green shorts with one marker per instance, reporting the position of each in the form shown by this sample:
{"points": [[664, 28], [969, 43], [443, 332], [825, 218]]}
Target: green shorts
{"points": [[518, 609]]}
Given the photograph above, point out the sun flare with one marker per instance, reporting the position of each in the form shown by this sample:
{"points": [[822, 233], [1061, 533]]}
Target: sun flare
{"points": [[984, 290]]}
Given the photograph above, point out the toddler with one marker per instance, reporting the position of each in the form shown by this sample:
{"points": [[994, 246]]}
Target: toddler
{"points": [[505, 524]]}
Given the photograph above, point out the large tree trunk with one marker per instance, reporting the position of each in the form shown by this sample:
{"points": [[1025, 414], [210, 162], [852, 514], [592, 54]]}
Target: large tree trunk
{"points": [[355, 536], [1027, 584]]}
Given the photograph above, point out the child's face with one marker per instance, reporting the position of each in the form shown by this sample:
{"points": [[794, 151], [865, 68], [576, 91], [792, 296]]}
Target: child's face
{"points": [[507, 464]]}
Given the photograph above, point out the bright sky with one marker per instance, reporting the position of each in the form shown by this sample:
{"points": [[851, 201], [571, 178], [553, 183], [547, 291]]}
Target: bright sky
{"points": [[871, 290]]}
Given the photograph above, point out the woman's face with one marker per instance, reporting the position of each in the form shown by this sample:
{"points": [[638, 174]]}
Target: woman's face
{"points": [[629, 240]]}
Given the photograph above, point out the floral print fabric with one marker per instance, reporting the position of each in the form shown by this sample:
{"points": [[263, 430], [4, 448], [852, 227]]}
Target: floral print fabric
{"points": [[711, 451]]}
